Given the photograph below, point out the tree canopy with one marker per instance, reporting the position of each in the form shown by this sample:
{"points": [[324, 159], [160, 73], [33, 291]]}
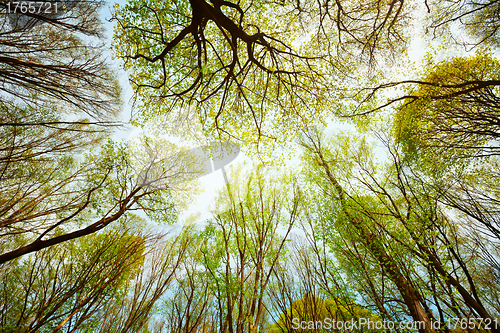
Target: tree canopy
{"points": [[386, 211]]}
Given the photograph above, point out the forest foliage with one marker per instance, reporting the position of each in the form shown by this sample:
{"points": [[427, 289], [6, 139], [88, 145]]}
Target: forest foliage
{"points": [[395, 218]]}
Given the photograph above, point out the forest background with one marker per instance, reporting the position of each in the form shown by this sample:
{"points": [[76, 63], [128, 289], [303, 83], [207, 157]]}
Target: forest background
{"points": [[392, 213]]}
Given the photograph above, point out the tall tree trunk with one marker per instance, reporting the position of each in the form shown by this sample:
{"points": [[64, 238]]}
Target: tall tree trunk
{"points": [[411, 296]]}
